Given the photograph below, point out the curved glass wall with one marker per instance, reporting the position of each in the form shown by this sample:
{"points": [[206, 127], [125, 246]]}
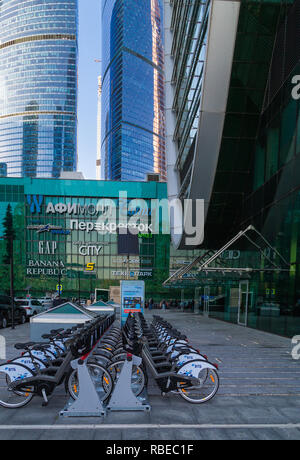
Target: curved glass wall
{"points": [[38, 86], [133, 120], [190, 26]]}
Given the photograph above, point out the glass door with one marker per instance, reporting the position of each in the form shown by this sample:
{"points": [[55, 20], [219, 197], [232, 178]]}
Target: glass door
{"points": [[206, 301], [243, 303]]}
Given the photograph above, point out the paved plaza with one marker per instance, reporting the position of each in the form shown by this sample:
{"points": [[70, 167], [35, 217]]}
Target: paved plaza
{"points": [[259, 396]]}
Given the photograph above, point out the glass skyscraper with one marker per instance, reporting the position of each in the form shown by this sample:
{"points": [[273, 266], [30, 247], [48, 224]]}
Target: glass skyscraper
{"points": [[38, 87], [133, 117]]}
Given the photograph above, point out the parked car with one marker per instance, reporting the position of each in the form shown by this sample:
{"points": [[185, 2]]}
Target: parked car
{"points": [[6, 312], [32, 307], [47, 302]]}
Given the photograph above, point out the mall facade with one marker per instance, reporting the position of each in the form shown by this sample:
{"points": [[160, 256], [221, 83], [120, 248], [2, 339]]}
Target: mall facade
{"points": [[60, 239]]}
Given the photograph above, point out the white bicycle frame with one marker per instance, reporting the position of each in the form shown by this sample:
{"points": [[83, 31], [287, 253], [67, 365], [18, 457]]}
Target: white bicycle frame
{"points": [[182, 359], [28, 362], [16, 371], [192, 368]]}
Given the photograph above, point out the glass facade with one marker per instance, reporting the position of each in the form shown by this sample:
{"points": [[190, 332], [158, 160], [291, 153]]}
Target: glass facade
{"points": [[133, 119], [258, 23], [257, 178], [56, 237], [274, 202], [38, 87]]}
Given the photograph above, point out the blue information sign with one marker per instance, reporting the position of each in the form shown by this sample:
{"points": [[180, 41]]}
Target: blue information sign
{"points": [[132, 298]]}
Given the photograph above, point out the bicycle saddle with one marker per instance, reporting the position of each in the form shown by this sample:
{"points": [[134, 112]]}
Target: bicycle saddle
{"points": [[48, 336], [56, 331], [40, 347], [24, 346]]}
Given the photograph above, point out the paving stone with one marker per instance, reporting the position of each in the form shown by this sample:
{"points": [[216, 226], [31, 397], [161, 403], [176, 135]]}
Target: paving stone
{"points": [[259, 385], [107, 435]]}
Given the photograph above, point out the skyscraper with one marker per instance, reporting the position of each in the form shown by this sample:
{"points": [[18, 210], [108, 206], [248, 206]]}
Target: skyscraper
{"points": [[133, 120], [38, 87]]}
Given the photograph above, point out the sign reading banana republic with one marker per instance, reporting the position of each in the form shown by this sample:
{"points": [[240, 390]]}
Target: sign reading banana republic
{"points": [[46, 268]]}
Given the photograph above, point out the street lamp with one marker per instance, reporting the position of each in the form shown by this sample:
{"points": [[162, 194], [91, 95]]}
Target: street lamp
{"points": [[79, 287], [59, 283]]}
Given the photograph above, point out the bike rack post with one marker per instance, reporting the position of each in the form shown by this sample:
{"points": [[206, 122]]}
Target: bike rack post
{"points": [[123, 398], [88, 403]]}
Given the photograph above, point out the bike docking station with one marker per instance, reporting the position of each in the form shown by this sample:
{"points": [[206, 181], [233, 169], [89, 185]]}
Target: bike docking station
{"points": [[122, 398], [88, 403]]}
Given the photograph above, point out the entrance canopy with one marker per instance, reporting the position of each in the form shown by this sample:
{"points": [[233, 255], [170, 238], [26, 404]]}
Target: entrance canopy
{"points": [[244, 255]]}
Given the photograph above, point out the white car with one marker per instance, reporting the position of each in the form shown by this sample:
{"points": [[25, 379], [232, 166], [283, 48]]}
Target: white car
{"points": [[46, 302], [31, 306]]}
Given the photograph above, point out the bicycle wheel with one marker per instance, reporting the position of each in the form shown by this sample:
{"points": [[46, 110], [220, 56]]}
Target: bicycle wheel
{"points": [[13, 399], [138, 379], [206, 390], [103, 352], [101, 378], [102, 359]]}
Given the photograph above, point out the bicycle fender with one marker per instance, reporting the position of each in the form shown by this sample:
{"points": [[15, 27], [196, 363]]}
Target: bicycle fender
{"points": [[16, 371], [27, 361], [39, 355], [187, 357], [192, 368]]}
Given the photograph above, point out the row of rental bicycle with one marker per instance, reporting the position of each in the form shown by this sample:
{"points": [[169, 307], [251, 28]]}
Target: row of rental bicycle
{"points": [[104, 347]]}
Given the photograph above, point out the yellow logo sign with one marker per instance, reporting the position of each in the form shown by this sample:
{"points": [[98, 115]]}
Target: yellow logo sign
{"points": [[90, 267]]}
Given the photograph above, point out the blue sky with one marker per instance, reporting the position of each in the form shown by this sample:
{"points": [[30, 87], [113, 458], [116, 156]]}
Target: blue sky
{"points": [[89, 50]]}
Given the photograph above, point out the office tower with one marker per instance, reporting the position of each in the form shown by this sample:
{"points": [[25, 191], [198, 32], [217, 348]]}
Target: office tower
{"points": [[133, 118], [38, 87], [98, 163]]}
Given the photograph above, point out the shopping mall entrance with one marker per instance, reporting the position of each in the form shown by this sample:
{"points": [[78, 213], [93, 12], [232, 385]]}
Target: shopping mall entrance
{"points": [[245, 282], [233, 300]]}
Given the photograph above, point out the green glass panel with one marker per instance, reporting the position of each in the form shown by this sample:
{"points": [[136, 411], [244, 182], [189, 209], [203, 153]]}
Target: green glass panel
{"points": [[65, 309], [287, 136], [272, 152], [259, 174]]}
